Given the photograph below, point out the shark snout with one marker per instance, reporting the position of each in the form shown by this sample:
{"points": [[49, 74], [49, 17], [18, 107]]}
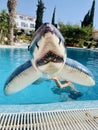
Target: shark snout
{"points": [[47, 28]]}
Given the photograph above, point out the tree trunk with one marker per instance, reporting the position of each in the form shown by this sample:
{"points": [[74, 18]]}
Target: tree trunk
{"points": [[10, 33], [11, 4]]}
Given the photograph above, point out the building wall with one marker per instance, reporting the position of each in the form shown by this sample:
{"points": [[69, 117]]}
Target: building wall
{"points": [[95, 34], [25, 22]]}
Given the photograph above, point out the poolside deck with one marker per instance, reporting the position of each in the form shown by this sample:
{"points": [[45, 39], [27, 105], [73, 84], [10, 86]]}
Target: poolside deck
{"points": [[72, 115], [83, 119]]}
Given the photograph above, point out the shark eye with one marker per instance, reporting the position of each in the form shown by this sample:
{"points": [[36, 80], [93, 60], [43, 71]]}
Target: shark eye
{"points": [[59, 41], [37, 45], [28, 47]]}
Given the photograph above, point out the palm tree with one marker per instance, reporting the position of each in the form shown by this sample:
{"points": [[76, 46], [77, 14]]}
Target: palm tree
{"points": [[11, 4]]}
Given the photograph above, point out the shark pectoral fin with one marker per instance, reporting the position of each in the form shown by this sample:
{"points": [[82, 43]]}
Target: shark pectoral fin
{"points": [[77, 73], [23, 76]]}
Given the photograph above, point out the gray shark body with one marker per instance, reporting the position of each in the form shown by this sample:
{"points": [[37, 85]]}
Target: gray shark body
{"points": [[49, 59]]}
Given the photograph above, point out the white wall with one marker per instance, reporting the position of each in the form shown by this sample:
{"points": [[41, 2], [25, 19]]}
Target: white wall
{"points": [[25, 22]]}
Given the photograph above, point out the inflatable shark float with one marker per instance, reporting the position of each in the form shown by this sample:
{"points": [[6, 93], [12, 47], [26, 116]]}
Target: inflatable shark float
{"points": [[49, 59]]}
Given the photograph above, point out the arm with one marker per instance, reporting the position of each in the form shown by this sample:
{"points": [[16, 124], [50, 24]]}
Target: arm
{"points": [[67, 83]]}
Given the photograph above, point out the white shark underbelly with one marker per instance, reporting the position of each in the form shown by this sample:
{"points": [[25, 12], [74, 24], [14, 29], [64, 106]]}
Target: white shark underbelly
{"points": [[75, 72]]}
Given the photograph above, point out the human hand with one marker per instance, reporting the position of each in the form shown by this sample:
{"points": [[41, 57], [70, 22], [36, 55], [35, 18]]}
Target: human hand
{"points": [[55, 78]]}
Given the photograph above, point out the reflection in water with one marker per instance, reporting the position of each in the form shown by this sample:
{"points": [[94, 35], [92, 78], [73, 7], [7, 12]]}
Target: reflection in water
{"points": [[66, 93]]}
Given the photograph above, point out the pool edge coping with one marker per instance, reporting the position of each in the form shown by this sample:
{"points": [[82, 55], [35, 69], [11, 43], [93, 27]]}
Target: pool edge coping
{"points": [[71, 105]]}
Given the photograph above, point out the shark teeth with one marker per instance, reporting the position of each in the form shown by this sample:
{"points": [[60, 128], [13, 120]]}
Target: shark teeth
{"points": [[49, 57]]}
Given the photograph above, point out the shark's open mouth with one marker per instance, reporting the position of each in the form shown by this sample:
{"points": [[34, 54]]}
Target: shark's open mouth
{"points": [[49, 57]]}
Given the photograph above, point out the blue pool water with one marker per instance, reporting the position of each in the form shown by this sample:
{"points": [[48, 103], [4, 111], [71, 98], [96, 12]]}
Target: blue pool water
{"points": [[45, 92]]}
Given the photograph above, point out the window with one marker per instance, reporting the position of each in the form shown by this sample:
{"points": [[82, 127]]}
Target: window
{"points": [[23, 24], [29, 18], [26, 25], [21, 17], [31, 25]]}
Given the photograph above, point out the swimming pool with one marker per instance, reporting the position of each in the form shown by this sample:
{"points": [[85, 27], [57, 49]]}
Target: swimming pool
{"points": [[44, 92]]}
